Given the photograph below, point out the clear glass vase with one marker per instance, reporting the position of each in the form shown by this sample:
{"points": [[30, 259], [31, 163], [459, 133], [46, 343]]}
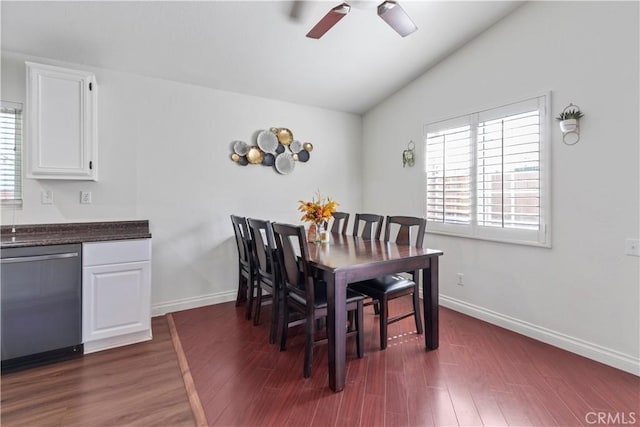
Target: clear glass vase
{"points": [[319, 230]]}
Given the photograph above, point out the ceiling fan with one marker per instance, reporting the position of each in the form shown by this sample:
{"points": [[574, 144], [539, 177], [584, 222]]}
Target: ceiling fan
{"points": [[389, 10]]}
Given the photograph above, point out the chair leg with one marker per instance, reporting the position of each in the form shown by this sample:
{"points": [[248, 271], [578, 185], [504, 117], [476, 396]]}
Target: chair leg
{"points": [[416, 309], [360, 330], [384, 314], [275, 315], [242, 290], [376, 308], [256, 316], [250, 291], [351, 318], [308, 351], [285, 324]]}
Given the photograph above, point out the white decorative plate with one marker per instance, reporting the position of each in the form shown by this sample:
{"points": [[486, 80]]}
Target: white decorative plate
{"points": [[240, 147], [267, 141], [295, 146], [285, 163]]}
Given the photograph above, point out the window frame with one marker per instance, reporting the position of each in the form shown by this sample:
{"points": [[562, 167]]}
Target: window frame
{"points": [[540, 237], [18, 189]]}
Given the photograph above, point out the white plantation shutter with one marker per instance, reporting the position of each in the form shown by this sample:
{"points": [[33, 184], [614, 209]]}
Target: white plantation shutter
{"points": [[11, 153], [508, 172], [486, 178], [449, 164]]}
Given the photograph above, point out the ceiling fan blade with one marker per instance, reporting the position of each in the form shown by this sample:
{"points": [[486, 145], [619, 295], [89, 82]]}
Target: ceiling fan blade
{"points": [[394, 15], [329, 20]]}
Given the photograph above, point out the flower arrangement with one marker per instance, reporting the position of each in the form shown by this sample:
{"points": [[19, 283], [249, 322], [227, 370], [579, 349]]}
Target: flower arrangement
{"points": [[319, 210]]}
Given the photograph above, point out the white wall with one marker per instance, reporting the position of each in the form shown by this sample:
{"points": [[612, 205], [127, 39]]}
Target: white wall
{"points": [[583, 293], [164, 155]]}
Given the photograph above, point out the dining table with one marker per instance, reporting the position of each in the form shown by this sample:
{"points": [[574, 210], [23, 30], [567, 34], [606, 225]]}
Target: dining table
{"points": [[348, 259]]}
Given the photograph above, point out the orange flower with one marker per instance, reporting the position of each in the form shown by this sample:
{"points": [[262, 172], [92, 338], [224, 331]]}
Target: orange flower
{"points": [[318, 210]]}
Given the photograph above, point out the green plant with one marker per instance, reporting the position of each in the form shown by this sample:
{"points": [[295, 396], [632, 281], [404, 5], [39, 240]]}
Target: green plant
{"points": [[569, 114]]}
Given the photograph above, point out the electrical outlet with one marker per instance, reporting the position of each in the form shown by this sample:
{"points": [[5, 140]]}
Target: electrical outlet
{"points": [[46, 197], [632, 247], [460, 279], [85, 197]]}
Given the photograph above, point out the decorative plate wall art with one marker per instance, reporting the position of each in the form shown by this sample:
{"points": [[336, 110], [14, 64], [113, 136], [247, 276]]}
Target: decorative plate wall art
{"points": [[275, 148]]}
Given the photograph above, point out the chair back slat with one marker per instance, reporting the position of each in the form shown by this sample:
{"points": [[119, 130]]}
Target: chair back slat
{"points": [[368, 221], [338, 219], [263, 246], [243, 239], [291, 241], [408, 225]]}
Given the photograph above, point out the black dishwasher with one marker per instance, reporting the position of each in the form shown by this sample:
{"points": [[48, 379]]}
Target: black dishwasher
{"points": [[41, 305]]}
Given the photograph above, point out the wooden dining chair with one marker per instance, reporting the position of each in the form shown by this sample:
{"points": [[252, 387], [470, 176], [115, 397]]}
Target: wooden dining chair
{"points": [[306, 294], [385, 288], [246, 267], [369, 221], [340, 222], [267, 280]]}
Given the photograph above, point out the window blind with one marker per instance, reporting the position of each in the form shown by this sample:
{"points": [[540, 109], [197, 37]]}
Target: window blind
{"points": [[508, 172], [449, 175], [485, 174], [10, 153]]}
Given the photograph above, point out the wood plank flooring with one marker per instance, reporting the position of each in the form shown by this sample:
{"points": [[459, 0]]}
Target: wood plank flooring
{"points": [[137, 385], [480, 375]]}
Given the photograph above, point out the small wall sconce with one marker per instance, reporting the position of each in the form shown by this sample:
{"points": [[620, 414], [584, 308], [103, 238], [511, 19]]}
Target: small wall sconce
{"points": [[570, 124], [409, 155]]}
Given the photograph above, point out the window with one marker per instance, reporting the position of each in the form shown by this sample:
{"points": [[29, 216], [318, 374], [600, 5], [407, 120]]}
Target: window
{"points": [[11, 153], [486, 174]]}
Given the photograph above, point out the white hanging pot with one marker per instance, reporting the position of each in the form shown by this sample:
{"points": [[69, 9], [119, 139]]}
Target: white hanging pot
{"points": [[569, 125]]}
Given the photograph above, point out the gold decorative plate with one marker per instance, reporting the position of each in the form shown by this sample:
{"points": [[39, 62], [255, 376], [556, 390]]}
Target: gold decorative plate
{"points": [[285, 136], [255, 155]]}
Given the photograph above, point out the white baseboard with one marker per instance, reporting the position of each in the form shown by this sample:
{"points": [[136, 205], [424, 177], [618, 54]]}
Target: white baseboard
{"points": [[117, 341], [194, 302], [589, 350]]}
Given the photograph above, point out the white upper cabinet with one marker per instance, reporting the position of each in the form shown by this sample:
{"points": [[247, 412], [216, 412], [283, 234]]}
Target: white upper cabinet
{"points": [[61, 140]]}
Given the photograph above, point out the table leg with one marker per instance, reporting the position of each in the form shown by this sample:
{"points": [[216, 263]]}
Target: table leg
{"points": [[431, 304], [337, 320]]}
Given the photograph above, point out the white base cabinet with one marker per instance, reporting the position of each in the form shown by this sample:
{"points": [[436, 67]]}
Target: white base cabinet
{"points": [[116, 293]]}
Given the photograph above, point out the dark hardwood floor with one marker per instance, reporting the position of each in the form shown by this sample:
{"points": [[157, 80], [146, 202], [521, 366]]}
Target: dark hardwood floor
{"points": [[480, 375], [139, 385]]}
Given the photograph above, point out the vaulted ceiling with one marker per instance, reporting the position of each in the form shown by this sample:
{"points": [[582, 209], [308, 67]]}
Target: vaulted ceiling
{"points": [[252, 47]]}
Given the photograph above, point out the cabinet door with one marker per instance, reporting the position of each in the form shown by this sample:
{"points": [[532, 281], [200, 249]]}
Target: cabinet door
{"points": [[61, 140], [115, 300]]}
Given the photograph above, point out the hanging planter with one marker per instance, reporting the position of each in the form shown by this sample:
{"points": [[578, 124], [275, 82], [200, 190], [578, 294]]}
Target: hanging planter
{"points": [[568, 125], [569, 120]]}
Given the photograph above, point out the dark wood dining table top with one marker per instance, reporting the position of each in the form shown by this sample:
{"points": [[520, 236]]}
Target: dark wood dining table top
{"points": [[350, 252]]}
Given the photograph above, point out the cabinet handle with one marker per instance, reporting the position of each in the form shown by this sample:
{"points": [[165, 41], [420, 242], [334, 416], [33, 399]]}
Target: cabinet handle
{"points": [[38, 258], [90, 165]]}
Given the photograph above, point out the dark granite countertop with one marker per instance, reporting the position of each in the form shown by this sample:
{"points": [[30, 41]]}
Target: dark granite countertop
{"points": [[58, 234]]}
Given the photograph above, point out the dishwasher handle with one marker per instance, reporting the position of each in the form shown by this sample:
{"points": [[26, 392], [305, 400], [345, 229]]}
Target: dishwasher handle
{"points": [[38, 258]]}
